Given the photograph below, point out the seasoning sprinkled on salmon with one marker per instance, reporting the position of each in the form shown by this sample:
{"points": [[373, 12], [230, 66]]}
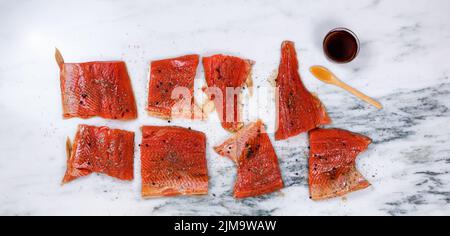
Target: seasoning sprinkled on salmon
{"points": [[225, 77], [173, 161], [100, 150], [256, 160], [332, 170], [96, 89], [298, 110], [171, 89]]}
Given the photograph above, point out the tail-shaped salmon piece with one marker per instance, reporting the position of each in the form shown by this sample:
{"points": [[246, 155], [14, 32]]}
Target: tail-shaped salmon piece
{"points": [[298, 110], [256, 160]]}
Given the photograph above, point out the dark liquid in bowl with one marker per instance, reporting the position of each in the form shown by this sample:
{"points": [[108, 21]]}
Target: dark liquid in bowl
{"points": [[341, 46]]}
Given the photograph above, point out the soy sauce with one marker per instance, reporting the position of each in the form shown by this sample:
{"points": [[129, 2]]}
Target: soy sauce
{"points": [[341, 45]]}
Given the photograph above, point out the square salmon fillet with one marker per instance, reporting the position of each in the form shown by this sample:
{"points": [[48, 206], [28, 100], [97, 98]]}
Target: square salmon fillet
{"points": [[173, 162], [332, 160], [226, 76], [96, 89], [171, 88], [101, 150]]}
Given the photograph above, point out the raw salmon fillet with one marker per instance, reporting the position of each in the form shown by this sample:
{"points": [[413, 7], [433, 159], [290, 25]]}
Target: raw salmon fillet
{"points": [[298, 110], [171, 89], [100, 150], [96, 89], [222, 72], [332, 171], [173, 161], [256, 160]]}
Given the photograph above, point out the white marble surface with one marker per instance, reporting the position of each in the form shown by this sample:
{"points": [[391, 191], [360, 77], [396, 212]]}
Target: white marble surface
{"points": [[403, 63]]}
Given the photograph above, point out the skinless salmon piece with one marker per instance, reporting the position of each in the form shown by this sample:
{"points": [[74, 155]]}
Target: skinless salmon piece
{"points": [[298, 110], [96, 89], [171, 89], [173, 161], [100, 150], [227, 75], [332, 171], [256, 160]]}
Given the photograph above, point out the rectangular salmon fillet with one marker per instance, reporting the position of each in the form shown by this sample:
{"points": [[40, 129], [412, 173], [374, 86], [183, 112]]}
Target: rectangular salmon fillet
{"points": [[252, 151], [332, 170], [171, 88], [298, 110], [100, 150], [173, 162], [96, 89], [225, 77]]}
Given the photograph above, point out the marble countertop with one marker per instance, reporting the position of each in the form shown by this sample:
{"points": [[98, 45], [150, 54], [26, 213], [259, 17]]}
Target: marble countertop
{"points": [[403, 63]]}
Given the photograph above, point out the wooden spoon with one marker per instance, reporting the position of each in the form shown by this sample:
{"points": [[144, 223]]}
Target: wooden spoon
{"points": [[326, 76]]}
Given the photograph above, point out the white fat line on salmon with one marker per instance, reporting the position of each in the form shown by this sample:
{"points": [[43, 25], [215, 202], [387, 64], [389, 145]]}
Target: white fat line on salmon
{"points": [[186, 226]]}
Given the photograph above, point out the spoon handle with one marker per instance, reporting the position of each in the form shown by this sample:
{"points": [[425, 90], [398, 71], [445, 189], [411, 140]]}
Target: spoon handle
{"points": [[359, 94]]}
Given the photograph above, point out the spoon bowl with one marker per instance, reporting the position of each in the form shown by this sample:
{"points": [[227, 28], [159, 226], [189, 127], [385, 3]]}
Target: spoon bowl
{"points": [[326, 76], [323, 74]]}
